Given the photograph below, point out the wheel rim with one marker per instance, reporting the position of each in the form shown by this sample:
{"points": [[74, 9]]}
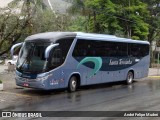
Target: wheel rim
{"points": [[130, 77], [73, 84]]}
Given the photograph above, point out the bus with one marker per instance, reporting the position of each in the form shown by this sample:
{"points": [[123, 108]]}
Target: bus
{"points": [[55, 60]]}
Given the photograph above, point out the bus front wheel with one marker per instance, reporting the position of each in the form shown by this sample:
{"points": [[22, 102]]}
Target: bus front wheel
{"points": [[72, 84], [129, 79]]}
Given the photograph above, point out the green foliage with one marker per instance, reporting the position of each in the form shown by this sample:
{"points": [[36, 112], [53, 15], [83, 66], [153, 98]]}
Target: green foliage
{"points": [[153, 19], [47, 21], [133, 22], [135, 38], [136, 19], [34, 17], [102, 17], [77, 7], [78, 24], [120, 17], [1, 82]]}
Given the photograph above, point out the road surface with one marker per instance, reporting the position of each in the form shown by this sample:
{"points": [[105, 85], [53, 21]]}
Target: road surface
{"points": [[143, 95]]}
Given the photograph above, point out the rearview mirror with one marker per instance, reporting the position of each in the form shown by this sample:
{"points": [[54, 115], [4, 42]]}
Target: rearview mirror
{"points": [[48, 49], [14, 46]]}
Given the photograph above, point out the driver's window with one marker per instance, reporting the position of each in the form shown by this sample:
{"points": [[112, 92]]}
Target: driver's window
{"points": [[56, 57]]}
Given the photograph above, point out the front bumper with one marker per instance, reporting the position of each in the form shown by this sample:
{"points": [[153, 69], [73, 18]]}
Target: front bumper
{"points": [[31, 83]]}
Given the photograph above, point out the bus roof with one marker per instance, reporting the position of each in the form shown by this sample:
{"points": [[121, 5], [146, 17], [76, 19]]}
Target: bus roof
{"points": [[105, 37], [53, 36]]}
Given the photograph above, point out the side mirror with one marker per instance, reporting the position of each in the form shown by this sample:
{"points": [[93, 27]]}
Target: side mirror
{"points": [[48, 49], [14, 46]]}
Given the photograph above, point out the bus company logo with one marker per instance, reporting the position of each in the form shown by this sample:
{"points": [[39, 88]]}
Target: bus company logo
{"points": [[120, 62], [97, 64]]}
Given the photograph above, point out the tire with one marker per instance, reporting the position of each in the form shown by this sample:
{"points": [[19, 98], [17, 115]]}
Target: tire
{"points": [[130, 77], [72, 86]]}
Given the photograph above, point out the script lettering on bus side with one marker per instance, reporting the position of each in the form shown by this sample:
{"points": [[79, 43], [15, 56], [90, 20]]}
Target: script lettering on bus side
{"points": [[120, 62]]}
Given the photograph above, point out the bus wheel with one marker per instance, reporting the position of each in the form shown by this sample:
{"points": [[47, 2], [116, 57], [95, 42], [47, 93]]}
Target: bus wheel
{"points": [[72, 84], [129, 79]]}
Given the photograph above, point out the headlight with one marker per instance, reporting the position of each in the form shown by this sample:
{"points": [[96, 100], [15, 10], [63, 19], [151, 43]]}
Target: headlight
{"points": [[43, 76]]}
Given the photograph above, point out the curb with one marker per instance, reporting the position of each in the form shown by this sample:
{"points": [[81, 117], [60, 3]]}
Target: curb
{"points": [[153, 76]]}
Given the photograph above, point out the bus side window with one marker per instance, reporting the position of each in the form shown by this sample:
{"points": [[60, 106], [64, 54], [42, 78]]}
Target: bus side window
{"points": [[56, 57], [135, 50]]}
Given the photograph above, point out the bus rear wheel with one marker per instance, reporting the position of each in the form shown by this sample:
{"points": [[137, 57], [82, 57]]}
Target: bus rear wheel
{"points": [[72, 86], [130, 77]]}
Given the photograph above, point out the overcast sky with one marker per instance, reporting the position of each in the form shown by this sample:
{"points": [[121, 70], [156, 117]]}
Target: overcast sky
{"points": [[3, 3]]}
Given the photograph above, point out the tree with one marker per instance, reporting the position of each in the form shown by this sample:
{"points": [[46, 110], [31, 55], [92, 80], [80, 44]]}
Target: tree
{"points": [[11, 27], [29, 8], [154, 23], [103, 19], [80, 12], [79, 24], [34, 17], [153, 19], [120, 17], [49, 22], [133, 14], [15, 26], [95, 14]]}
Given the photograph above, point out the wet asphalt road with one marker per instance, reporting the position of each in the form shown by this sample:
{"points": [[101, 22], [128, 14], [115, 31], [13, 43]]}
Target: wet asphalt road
{"points": [[143, 95]]}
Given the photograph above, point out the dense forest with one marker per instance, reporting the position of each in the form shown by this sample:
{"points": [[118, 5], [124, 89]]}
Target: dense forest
{"points": [[136, 19]]}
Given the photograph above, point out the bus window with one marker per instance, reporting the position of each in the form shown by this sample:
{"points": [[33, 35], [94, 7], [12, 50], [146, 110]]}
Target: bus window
{"points": [[64, 45], [138, 50], [122, 49], [99, 48], [81, 48], [56, 58], [144, 50], [59, 53]]}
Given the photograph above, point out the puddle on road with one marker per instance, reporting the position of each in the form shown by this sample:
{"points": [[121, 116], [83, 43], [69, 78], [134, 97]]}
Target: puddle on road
{"points": [[154, 84], [74, 97]]}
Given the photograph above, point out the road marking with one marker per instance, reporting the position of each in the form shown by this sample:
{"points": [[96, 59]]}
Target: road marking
{"points": [[18, 94]]}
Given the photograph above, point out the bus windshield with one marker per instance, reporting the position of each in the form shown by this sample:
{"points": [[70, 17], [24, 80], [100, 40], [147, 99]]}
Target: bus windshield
{"points": [[31, 57]]}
